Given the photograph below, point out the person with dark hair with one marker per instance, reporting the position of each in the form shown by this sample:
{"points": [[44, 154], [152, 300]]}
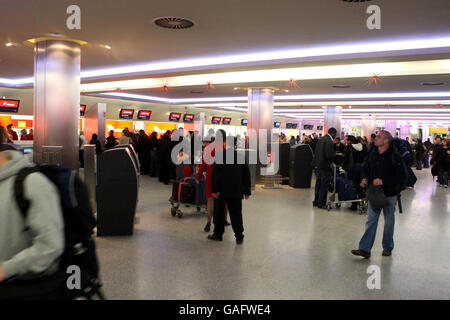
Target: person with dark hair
{"points": [[372, 142], [385, 170], [419, 151], [323, 158], [154, 157], [111, 141], [426, 159], [82, 142], [440, 162], [98, 146], [11, 132], [230, 183], [164, 158], [143, 151], [355, 156]]}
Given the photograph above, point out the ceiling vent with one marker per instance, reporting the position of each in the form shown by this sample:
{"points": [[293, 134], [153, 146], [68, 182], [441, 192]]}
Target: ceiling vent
{"points": [[173, 22]]}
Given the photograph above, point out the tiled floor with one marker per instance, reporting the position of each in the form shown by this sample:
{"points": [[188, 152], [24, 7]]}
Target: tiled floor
{"points": [[291, 251]]}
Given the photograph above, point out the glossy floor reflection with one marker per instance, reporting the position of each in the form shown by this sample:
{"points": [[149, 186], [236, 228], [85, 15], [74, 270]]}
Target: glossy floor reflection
{"points": [[291, 251]]}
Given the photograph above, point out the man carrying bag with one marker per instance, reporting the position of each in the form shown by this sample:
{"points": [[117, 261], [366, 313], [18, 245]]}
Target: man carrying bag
{"points": [[384, 174]]}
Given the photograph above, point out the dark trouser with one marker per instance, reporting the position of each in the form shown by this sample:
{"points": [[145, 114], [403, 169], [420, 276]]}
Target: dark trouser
{"points": [[164, 172], [81, 158], [322, 184], [235, 212], [426, 161], [418, 164], [47, 288], [144, 161], [443, 177], [357, 177], [154, 163]]}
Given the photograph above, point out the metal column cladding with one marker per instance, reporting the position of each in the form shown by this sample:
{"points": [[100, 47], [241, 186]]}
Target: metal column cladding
{"points": [[260, 116], [332, 119], [368, 126], [260, 111], [57, 98]]}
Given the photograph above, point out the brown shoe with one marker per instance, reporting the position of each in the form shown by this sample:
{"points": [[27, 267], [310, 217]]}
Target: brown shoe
{"points": [[386, 253], [361, 253]]}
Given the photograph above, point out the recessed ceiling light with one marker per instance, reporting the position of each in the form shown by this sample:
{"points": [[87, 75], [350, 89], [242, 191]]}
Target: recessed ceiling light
{"points": [[107, 47], [341, 86], [433, 83], [9, 44], [286, 90]]}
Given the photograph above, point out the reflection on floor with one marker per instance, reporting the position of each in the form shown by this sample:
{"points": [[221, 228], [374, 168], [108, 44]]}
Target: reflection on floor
{"points": [[291, 251]]}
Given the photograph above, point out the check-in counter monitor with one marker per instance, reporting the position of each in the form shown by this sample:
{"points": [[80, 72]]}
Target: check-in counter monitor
{"points": [[117, 192], [300, 166]]}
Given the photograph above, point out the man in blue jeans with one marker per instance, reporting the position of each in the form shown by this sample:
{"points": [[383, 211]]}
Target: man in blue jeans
{"points": [[385, 168]]}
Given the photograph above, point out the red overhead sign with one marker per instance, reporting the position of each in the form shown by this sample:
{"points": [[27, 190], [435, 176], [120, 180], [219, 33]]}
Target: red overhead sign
{"points": [[144, 115], [174, 116], [9, 105], [126, 113], [188, 117]]}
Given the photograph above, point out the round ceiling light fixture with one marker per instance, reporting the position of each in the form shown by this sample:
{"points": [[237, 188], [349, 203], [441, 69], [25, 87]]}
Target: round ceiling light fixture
{"points": [[173, 22]]}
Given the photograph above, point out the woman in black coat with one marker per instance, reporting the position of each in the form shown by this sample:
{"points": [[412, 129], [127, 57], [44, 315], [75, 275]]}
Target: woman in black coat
{"points": [[143, 151], [164, 158], [419, 151], [154, 156], [98, 146]]}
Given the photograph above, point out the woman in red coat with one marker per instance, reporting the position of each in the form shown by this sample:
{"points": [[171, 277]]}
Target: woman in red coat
{"points": [[204, 167]]}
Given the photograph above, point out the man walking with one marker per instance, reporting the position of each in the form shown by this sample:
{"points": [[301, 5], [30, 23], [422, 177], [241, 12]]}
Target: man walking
{"points": [[324, 156], [385, 168], [230, 183]]}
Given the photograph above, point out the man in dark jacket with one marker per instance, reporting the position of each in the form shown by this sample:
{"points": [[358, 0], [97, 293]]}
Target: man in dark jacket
{"points": [[385, 168], [323, 158], [230, 183], [439, 161]]}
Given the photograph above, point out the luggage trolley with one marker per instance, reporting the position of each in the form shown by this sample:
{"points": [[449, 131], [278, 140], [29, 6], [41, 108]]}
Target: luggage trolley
{"points": [[195, 196], [362, 203]]}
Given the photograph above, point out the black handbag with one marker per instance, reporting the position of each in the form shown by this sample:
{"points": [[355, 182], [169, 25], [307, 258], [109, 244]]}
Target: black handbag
{"points": [[376, 197]]}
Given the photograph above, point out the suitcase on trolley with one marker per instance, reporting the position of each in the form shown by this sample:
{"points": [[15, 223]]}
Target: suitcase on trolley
{"points": [[345, 188], [184, 191]]}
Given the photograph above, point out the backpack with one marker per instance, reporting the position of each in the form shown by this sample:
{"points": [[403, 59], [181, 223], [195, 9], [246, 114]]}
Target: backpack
{"points": [[79, 222], [402, 148]]}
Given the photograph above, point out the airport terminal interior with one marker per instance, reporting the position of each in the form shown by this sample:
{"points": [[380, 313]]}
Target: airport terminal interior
{"points": [[283, 72]]}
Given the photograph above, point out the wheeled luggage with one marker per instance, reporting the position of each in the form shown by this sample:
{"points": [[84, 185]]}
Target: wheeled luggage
{"points": [[345, 191]]}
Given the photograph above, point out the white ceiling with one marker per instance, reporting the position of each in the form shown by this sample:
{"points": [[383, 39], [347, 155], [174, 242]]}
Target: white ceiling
{"points": [[222, 27]]}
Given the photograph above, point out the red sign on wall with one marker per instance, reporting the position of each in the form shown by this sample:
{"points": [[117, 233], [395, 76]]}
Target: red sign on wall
{"points": [[144, 115], [174, 116], [188, 117], [9, 105], [126, 113]]}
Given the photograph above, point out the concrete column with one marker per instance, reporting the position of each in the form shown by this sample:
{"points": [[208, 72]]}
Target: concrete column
{"points": [[57, 98], [368, 126], [391, 126], [95, 122], [332, 119], [425, 133]]}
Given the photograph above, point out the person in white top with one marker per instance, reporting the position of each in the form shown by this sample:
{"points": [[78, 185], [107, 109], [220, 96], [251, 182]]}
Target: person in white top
{"points": [[82, 142]]}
